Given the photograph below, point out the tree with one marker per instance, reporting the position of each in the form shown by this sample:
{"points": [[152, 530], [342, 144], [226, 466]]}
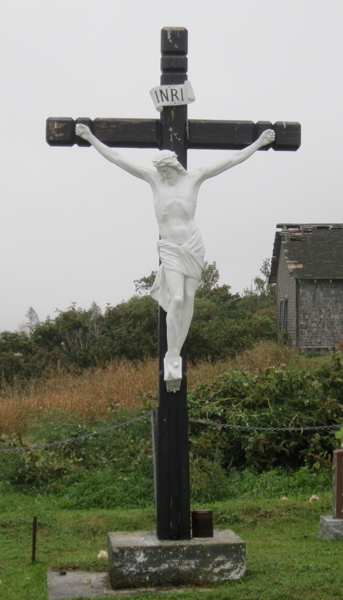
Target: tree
{"points": [[262, 285], [263, 295], [31, 321], [16, 355], [144, 285], [96, 311], [131, 328], [209, 277]]}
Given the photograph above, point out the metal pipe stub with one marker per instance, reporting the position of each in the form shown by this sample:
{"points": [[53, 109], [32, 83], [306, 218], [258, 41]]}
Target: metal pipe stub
{"points": [[202, 523]]}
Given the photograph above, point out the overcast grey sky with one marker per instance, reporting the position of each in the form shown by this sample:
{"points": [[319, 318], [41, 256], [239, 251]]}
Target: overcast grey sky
{"points": [[74, 228]]}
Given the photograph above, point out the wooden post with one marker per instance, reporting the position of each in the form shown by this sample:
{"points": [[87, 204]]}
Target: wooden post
{"points": [[34, 537], [337, 484], [172, 461]]}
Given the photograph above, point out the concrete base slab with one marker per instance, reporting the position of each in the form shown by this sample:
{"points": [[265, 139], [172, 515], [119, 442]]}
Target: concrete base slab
{"points": [[140, 560], [330, 528], [76, 584], [72, 585]]}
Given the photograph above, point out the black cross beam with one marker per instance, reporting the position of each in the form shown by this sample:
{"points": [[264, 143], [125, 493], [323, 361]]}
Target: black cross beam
{"points": [[173, 131]]}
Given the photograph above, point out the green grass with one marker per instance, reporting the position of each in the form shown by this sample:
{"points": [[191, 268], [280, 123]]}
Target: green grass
{"points": [[286, 560], [81, 491]]}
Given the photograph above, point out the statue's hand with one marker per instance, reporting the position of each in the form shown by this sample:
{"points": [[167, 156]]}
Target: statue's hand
{"points": [[83, 131], [267, 137]]}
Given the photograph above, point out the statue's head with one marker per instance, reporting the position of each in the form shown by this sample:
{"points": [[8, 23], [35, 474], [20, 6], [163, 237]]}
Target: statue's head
{"points": [[166, 158]]}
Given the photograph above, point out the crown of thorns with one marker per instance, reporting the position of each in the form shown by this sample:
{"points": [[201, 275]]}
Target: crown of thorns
{"points": [[165, 158]]}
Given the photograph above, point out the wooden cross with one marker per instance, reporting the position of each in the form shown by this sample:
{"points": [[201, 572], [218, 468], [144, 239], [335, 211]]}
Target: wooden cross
{"points": [[173, 131]]}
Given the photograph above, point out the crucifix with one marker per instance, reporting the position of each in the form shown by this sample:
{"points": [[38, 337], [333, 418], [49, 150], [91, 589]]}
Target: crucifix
{"points": [[180, 246]]}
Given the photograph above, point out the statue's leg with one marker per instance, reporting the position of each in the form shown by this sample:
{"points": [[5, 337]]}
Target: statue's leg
{"points": [[175, 283], [190, 288]]}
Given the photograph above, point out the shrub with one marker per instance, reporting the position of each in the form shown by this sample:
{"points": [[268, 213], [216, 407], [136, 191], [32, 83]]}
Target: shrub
{"points": [[283, 397]]}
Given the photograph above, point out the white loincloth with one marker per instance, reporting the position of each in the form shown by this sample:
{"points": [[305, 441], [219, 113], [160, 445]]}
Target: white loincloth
{"points": [[187, 259]]}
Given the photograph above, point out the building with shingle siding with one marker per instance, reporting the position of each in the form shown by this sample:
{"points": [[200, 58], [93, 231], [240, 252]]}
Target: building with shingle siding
{"points": [[307, 267]]}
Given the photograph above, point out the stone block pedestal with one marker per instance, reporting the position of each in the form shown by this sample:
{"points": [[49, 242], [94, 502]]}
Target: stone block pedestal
{"points": [[138, 560], [330, 528]]}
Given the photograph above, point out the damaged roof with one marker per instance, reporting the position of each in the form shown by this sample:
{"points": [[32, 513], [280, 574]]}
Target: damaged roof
{"points": [[312, 251]]}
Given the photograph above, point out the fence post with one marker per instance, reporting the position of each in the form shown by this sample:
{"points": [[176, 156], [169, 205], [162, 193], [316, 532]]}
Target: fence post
{"points": [[34, 537]]}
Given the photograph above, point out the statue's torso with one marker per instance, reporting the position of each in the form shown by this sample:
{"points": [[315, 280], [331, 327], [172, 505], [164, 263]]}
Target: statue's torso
{"points": [[175, 205]]}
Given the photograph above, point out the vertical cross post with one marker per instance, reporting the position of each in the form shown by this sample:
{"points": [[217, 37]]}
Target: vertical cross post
{"points": [[172, 460]]}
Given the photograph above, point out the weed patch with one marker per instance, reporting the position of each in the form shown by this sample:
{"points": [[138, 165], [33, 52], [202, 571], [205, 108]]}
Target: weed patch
{"points": [[100, 392]]}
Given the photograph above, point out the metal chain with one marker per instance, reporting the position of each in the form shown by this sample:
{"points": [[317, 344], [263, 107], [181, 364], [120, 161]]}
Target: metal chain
{"points": [[75, 439], [247, 427], [208, 423]]}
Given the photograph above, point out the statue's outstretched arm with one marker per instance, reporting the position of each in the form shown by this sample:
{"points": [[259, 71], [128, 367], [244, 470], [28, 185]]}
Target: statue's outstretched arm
{"points": [[112, 155], [267, 137]]}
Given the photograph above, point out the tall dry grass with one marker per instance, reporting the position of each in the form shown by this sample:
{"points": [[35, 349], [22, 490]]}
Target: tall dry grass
{"points": [[122, 384]]}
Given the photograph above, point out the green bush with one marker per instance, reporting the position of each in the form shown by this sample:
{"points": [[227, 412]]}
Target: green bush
{"points": [[55, 469], [283, 397]]}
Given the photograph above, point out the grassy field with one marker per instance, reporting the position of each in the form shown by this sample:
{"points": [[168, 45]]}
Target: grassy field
{"points": [[96, 392], [286, 560], [77, 503]]}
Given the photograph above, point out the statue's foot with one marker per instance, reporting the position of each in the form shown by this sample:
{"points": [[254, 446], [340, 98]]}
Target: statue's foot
{"points": [[173, 373]]}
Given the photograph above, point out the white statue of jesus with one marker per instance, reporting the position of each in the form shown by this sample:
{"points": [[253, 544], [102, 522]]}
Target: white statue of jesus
{"points": [[180, 247]]}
